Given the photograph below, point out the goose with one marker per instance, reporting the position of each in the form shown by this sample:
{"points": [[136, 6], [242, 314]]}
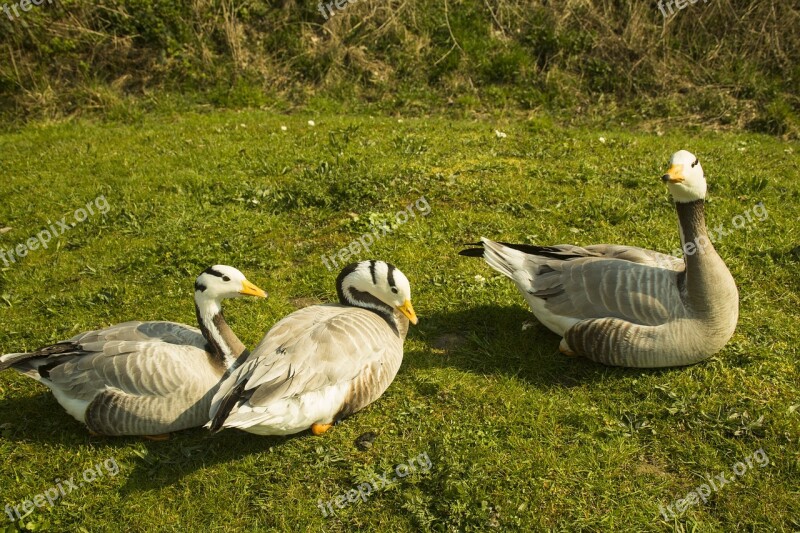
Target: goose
{"points": [[628, 306], [322, 363], [145, 378]]}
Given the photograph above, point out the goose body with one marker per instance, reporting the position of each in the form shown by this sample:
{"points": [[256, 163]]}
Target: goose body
{"points": [[322, 363], [628, 306], [144, 378]]}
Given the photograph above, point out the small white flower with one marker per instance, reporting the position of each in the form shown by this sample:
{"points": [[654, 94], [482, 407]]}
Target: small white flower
{"points": [[242, 125], [602, 140], [499, 134], [284, 128], [400, 120], [480, 279], [312, 123]]}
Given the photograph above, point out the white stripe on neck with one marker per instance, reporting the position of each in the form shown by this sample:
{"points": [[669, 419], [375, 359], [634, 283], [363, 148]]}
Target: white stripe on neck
{"points": [[208, 310]]}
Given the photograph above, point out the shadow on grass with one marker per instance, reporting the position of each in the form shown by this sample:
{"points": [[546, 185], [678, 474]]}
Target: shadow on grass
{"points": [[40, 419], [490, 340]]}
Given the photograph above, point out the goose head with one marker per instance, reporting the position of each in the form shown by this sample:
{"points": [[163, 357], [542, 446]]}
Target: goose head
{"points": [[685, 179], [376, 285], [220, 282]]}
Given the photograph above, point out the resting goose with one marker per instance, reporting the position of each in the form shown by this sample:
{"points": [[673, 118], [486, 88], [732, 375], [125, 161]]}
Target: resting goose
{"points": [[324, 362], [627, 306], [144, 378]]}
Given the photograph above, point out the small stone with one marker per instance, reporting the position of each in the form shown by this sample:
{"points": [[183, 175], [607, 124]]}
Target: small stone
{"points": [[364, 442]]}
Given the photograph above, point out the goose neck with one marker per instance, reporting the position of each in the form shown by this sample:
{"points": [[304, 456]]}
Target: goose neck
{"points": [[705, 274], [351, 296], [224, 345]]}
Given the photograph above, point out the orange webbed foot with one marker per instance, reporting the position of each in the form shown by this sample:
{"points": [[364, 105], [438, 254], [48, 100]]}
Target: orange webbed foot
{"points": [[157, 438], [564, 348], [319, 429]]}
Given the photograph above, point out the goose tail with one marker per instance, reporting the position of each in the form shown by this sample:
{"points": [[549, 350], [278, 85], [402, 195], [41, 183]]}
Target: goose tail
{"points": [[10, 359], [30, 360], [499, 256]]}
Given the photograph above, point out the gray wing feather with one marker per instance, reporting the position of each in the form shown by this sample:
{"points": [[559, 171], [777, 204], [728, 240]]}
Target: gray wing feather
{"points": [[634, 254], [139, 377], [140, 387], [599, 287], [318, 347]]}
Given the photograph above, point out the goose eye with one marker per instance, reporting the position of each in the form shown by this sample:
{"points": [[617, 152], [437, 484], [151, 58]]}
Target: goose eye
{"points": [[695, 163], [394, 290], [225, 278]]}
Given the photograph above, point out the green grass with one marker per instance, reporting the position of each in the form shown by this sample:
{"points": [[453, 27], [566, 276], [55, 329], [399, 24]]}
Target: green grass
{"points": [[520, 437]]}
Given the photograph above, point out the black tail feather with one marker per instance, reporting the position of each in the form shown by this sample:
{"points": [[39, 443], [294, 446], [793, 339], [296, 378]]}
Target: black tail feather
{"points": [[53, 350], [472, 252], [226, 406], [550, 252]]}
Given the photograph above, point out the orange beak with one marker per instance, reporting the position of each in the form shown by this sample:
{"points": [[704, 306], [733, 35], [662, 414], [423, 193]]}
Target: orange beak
{"points": [[673, 175], [408, 310]]}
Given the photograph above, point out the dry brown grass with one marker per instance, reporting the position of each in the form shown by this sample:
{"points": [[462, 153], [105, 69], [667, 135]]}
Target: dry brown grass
{"points": [[728, 61]]}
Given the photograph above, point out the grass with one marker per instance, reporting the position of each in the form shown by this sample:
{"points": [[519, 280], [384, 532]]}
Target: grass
{"points": [[519, 437], [733, 63]]}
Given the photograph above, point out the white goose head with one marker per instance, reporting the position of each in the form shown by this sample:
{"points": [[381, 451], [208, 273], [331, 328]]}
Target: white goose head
{"points": [[215, 284], [377, 286], [685, 179], [220, 282]]}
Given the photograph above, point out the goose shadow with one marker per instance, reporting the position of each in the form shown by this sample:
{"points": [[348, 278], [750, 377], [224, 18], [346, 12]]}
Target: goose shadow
{"points": [[37, 418], [506, 341]]}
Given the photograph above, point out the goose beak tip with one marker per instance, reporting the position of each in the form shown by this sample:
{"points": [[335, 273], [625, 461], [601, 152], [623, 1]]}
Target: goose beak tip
{"points": [[408, 310], [249, 289]]}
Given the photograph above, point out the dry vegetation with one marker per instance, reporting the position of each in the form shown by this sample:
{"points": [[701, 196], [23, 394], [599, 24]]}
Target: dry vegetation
{"points": [[725, 61]]}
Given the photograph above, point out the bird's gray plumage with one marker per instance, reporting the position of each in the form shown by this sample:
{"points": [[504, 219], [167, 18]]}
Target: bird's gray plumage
{"points": [[136, 378], [628, 306], [316, 366], [144, 378]]}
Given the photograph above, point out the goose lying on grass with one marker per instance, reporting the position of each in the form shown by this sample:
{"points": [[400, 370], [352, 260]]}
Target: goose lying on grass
{"points": [[322, 363], [627, 306], [144, 378]]}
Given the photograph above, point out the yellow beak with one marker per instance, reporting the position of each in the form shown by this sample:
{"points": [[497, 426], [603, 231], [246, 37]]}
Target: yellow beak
{"points": [[408, 310], [673, 175], [248, 289]]}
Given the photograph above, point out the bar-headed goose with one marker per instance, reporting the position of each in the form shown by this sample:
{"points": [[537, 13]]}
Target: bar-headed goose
{"points": [[322, 363], [144, 378], [627, 306]]}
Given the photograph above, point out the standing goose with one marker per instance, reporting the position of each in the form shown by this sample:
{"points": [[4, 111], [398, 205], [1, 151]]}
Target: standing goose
{"points": [[627, 306], [144, 378], [322, 363]]}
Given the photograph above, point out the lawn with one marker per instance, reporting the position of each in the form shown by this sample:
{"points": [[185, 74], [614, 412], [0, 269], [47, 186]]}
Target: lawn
{"points": [[518, 436]]}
